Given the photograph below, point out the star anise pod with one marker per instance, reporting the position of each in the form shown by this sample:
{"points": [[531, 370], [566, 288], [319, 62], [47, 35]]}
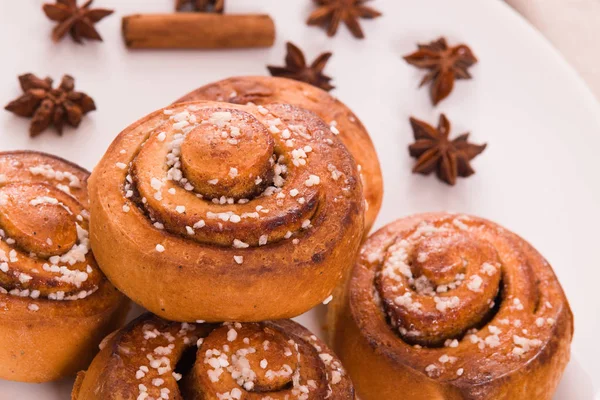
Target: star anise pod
{"points": [[445, 64], [296, 68], [77, 21], [331, 12], [216, 6], [435, 151], [50, 106]]}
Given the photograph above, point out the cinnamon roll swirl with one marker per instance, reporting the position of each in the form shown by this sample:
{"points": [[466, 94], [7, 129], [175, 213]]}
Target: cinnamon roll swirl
{"points": [[222, 212], [444, 306], [343, 122], [156, 359], [55, 303]]}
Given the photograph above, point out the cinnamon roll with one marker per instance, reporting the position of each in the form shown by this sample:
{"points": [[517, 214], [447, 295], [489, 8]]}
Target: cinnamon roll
{"points": [[222, 212], [55, 303], [264, 90], [156, 359], [444, 306]]}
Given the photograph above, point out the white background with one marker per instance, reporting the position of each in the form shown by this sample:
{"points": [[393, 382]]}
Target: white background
{"points": [[538, 177], [572, 26]]}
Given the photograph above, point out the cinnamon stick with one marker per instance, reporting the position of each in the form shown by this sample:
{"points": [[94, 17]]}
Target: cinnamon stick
{"points": [[197, 31]]}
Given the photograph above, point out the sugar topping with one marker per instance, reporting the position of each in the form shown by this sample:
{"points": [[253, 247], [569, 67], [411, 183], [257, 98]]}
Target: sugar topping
{"points": [[233, 357], [68, 275], [425, 274]]}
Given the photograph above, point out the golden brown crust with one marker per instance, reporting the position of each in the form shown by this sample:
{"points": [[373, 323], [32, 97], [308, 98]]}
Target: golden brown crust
{"points": [[270, 359], [266, 90], [186, 254], [55, 304], [405, 324]]}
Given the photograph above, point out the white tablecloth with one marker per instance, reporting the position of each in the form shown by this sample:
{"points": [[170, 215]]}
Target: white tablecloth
{"points": [[573, 26]]}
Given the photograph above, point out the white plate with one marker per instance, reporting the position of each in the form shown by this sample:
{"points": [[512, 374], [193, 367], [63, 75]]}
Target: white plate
{"points": [[538, 177]]}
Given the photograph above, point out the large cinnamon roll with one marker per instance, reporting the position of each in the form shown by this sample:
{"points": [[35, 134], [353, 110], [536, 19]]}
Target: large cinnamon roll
{"points": [[156, 359], [444, 306], [222, 212], [55, 304], [264, 90]]}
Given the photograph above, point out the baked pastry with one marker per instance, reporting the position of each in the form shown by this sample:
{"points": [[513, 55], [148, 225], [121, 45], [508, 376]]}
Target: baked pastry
{"points": [[156, 359], [445, 306], [262, 90], [222, 212], [55, 303]]}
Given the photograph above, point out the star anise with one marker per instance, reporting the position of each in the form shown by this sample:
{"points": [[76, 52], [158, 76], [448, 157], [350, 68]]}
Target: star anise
{"points": [[296, 68], [77, 21], [50, 106], [445, 64], [216, 6], [435, 151], [331, 12]]}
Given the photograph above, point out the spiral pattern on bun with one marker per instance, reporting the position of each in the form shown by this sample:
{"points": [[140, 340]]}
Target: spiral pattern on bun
{"points": [[45, 248], [263, 90], [156, 359], [49, 280], [216, 211], [455, 307]]}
